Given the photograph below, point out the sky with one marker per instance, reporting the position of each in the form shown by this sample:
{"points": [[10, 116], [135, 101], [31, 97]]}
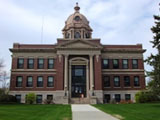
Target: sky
{"points": [[113, 21]]}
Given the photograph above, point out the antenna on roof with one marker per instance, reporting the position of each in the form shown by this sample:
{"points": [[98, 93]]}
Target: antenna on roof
{"points": [[42, 30]]}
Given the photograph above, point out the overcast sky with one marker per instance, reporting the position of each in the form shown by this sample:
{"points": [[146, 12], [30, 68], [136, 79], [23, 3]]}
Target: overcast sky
{"points": [[114, 21]]}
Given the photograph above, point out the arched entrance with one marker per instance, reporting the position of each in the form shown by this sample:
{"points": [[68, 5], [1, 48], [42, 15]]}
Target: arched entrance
{"points": [[78, 77]]}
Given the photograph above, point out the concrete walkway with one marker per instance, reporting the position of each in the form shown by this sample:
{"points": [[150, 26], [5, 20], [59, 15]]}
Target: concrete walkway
{"points": [[88, 112]]}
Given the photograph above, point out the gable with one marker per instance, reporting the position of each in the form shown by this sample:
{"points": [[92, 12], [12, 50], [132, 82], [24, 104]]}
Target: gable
{"points": [[79, 44]]}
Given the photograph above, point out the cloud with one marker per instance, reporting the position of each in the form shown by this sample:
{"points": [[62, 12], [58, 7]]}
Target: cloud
{"points": [[114, 21]]}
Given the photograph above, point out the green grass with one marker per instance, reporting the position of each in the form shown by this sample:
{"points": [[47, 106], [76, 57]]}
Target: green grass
{"points": [[35, 112], [150, 111]]}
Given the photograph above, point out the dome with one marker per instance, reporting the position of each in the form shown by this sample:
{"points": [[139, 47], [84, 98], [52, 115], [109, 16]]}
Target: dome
{"points": [[76, 20], [77, 26]]}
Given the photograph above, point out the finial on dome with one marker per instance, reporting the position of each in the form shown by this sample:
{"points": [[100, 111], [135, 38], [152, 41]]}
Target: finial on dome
{"points": [[77, 8]]}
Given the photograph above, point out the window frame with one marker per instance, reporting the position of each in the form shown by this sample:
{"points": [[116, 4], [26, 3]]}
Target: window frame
{"points": [[27, 83], [125, 83], [48, 84], [50, 66], [108, 83], [115, 81], [137, 85], [17, 82], [40, 84], [134, 66], [115, 66], [40, 66], [125, 66], [115, 96], [127, 98], [39, 101], [20, 65], [18, 100], [105, 66], [30, 66]]}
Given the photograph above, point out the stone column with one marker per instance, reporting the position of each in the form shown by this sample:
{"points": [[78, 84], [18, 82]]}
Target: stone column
{"points": [[91, 73], [66, 73]]}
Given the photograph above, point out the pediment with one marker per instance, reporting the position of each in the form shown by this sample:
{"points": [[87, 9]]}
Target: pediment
{"points": [[77, 44]]}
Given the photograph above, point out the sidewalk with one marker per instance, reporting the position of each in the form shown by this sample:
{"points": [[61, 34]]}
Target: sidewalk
{"points": [[88, 112]]}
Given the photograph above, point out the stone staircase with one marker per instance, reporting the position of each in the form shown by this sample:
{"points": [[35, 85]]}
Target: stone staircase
{"points": [[79, 101]]}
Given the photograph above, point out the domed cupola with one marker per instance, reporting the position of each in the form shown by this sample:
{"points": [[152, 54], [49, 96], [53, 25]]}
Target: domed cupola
{"points": [[77, 26]]}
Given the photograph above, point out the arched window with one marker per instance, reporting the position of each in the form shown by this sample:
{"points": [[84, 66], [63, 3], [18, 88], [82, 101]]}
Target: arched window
{"points": [[77, 35], [77, 18], [87, 35], [67, 35]]}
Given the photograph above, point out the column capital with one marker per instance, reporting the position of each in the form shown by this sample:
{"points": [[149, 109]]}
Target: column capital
{"points": [[66, 55]]}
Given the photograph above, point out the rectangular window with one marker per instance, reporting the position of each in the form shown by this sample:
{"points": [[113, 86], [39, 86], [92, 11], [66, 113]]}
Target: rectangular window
{"points": [[20, 64], [30, 63], [127, 97], [40, 81], [115, 63], [135, 63], [39, 99], [126, 81], [18, 98], [125, 64], [29, 81], [106, 80], [50, 63], [105, 64], [40, 63], [19, 81], [117, 97], [116, 81], [50, 82], [49, 97], [136, 81]]}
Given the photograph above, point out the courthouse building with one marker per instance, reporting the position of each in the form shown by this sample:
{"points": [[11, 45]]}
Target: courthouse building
{"points": [[78, 68]]}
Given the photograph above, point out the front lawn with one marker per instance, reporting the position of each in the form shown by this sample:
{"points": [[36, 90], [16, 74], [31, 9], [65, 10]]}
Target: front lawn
{"points": [[35, 112], [132, 111]]}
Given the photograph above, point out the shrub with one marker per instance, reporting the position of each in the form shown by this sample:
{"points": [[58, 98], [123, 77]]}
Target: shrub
{"points": [[145, 96], [48, 101], [30, 98], [7, 98], [126, 101]]}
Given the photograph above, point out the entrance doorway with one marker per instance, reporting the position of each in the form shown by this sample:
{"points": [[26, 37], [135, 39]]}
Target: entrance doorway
{"points": [[78, 81]]}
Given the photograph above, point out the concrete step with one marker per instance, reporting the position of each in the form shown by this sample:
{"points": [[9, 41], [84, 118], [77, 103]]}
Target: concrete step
{"points": [[80, 101]]}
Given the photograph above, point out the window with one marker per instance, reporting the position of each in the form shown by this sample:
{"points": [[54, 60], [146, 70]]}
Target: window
{"points": [[20, 64], [30, 63], [136, 81], [77, 18], [117, 97], [50, 63], [126, 81], [107, 98], [29, 81], [49, 97], [106, 80], [135, 64], [19, 81], [40, 81], [77, 35], [18, 98], [39, 99], [125, 64], [115, 63], [40, 63], [50, 82], [127, 97], [105, 64], [117, 81]]}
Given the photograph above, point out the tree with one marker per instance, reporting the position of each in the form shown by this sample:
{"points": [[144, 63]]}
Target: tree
{"points": [[154, 59], [30, 98]]}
